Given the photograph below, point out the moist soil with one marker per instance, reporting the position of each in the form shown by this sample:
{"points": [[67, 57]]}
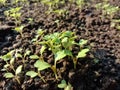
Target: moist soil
{"points": [[87, 24]]}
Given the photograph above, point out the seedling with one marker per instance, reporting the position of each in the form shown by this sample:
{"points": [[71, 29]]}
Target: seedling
{"points": [[40, 65], [107, 9], [19, 55], [61, 45], [115, 23], [16, 75], [39, 34], [14, 13], [80, 3], [19, 29], [64, 85], [9, 59]]}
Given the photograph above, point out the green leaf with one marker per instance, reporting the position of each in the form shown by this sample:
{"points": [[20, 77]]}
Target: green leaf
{"points": [[63, 84], [8, 75], [40, 32], [19, 29], [7, 56], [65, 40], [18, 70], [42, 49], [27, 53], [34, 57], [32, 74], [67, 34], [83, 42], [68, 87], [60, 54], [12, 61], [18, 55], [68, 52], [82, 53], [41, 65]]}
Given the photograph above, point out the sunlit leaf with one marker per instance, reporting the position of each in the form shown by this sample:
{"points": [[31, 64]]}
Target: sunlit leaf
{"points": [[42, 49], [32, 74], [41, 65], [12, 61], [63, 84], [82, 53], [34, 57], [59, 55], [27, 53], [8, 75], [18, 70], [18, 55], [83, 42]]}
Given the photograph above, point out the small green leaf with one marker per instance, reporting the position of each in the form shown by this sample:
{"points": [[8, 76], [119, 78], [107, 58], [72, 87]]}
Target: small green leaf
{"points": [[65, 40], [12, 61], [34, 57], [18, 70], [8, 75], [19, 29], [27, 53], [69, 87], [7, 56], [41, 65], [67, 34], [83, 42], [42, 49], [63, 84], [18, 55], [60, 54], [32, 74], [82, 53], [40, 32]]}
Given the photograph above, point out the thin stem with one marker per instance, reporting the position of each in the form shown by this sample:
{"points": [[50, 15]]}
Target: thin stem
{"points": [[16, 77], [39, 74]]}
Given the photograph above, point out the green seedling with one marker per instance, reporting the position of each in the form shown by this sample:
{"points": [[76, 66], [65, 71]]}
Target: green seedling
{"points": [[16, 76], [115, 23], [61, 45], [9, 59], [19, 55], [14, 13], [40, 65], [107, 9], [34, 57], [80, 3], [60, 11], [65, 86], [39, 34], [19, 29]]}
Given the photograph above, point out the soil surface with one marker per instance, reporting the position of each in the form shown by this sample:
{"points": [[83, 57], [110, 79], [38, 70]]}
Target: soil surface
{"points": [[88, 23]]}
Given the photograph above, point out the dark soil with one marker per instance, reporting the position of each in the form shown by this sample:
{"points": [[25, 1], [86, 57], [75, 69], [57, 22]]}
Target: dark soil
{"points": [[87, 24]]}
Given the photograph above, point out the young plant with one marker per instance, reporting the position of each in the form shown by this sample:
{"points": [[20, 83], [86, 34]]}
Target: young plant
{"points": [[61, 45], [19, 55], [16, 75], [39, 35], [65, 86], [14, 13], [107, 9], [19, 29], [40, 65], [80, 3], [9, 59]]}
